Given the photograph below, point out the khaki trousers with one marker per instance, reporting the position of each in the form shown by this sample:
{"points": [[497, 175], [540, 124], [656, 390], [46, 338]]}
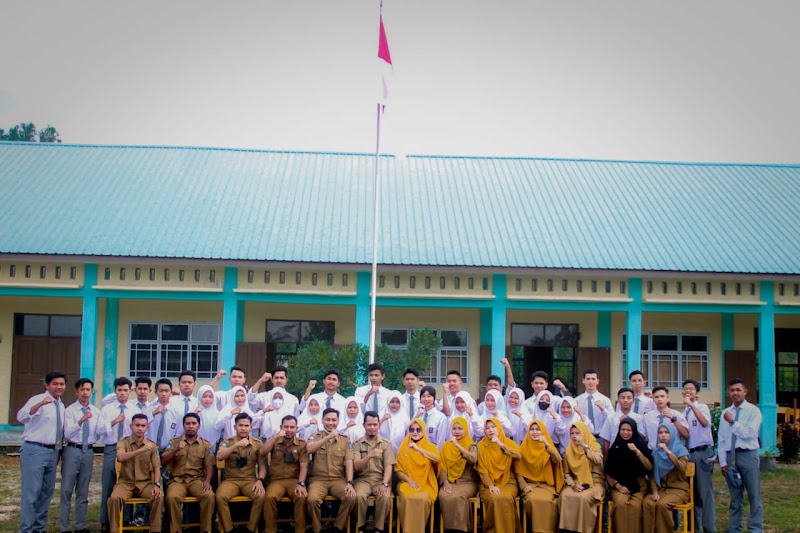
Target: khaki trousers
{"points": [[317, 490], [230, 488], [122, 493], [365, 489], [177, 491], [284, 488]]}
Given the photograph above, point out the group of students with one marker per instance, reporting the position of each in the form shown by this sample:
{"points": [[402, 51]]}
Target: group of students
{"points": [[560, 455]]}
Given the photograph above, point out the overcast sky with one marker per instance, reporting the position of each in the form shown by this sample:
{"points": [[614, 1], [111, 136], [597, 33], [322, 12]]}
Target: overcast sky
{"points": [[671, 81]]}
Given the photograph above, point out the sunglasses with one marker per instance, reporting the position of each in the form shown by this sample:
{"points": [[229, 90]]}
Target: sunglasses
{"points": [[415, 430]]}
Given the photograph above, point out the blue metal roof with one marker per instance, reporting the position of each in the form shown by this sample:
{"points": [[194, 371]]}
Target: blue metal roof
{"points": [[234, 205]]}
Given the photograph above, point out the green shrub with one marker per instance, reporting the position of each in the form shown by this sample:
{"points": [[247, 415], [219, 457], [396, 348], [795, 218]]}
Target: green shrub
{"points": [[790, 443]]}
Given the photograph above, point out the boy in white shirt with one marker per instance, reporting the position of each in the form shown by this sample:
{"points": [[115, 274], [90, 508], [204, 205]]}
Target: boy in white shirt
{"points": [[596, 405]]}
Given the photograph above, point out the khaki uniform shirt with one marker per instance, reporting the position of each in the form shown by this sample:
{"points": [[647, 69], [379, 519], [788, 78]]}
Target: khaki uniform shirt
{"points": [[248, 456], [189, 463], [375, 468], [137, 472], [329, 460], [285, 460]]}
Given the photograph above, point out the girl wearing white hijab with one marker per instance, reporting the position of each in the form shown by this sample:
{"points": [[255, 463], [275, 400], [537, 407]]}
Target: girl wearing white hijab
{"points": [[518, 414], [353, 425], [494, 406], [394, 423], [570, 413], [275, 411], [463, 407], [310, 420], [237, 403], [543, 410], [208, 416]]}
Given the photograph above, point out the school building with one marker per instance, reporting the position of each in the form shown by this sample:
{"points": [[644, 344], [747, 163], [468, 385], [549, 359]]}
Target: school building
{"points": [[142, 260]]}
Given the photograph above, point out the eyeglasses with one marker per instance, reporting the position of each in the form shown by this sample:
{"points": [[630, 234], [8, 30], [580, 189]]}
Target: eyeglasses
{"points": [[415, 430]]}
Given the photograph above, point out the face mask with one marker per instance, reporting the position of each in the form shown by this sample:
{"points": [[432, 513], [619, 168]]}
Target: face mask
{"points": [[277, 403], [543, 406]]}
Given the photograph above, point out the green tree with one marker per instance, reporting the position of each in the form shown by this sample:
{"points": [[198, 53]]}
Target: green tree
{"points": [[28, 133], [314, 359]]}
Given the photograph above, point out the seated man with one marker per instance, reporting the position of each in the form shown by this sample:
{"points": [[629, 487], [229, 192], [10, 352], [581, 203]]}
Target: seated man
{"points": [[191, 467], [332, 472], [373, 459], [139, 475], [241, 456], [288, 471]]}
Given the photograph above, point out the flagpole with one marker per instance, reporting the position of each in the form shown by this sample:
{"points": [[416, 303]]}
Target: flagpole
{"points": [[375, 223]]}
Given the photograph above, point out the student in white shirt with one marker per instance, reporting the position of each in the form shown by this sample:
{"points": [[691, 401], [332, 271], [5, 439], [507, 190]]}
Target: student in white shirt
{"points": [[701, 453], [738, 456], [454, 385], [165, 418], [610, 428], [542, 409], [43, 416], [461, 408], [237, 404], [273, 413], [539, 383], [352, 424], [329, 398], [411, 394], [206, 397], [373, 396], [310, 420], [663, 414], [279, 378], [593, 403], [518, 414], [493, 382], [238, 377], [569, 414], [395, 422], [435, 420], [77, 459], [642, 404], [495, 407], [185, 402]]}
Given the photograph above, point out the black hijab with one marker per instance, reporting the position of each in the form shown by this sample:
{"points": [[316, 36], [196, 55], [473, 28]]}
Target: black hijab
{"points": [[622, 463]]}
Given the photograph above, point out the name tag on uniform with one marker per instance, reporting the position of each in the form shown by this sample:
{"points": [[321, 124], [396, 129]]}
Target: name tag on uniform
{"points": [[174, 424], [694, 423]]}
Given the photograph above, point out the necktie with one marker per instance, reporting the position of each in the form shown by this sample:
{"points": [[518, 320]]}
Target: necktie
{"points": [[85, 431], [142, 406], [425, 418], [636, 406], [733, 438], [121, 425], [59, 435], [590, 410], [660, 419], [160, 432], [411, 410], [185, 404], [375, 402], [328, 402]]}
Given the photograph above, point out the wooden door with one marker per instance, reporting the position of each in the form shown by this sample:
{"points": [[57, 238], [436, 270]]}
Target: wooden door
{"points": [[598, 359], [34, 357], [743, 364], [252, 356]]}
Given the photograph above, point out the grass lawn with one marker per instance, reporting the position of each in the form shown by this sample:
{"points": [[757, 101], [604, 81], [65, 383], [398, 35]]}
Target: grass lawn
{"points": [[780, 493]]}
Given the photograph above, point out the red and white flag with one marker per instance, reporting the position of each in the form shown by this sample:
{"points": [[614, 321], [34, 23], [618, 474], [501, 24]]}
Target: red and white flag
{"points": [[384, 66]]}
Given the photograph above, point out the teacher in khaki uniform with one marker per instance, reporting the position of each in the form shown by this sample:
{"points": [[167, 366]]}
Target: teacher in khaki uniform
{"points": [[191, 467], [288, 469], [373, 459], [332, 472], [139, 474], [241, 455]]}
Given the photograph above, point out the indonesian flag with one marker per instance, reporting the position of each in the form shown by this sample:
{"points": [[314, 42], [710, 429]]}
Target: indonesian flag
{"points": [[384, 66]]}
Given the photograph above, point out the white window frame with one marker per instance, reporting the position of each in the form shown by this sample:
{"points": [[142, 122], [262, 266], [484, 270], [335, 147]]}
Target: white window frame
{"points": [[679, 358], [189, 347], [438, 373]]}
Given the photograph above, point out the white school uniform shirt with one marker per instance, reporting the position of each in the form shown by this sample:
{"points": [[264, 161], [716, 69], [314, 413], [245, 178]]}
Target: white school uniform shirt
{"points": [[698, 435], [474, 422], [41, 426], [73, 432], [436, 424], [337, 402], [291, 405], [383, 394], [407, 404], [611, 426], [451, 398], [178, 402], [745, 429], [172, 423], [555, 402], [599, 415], [645, 405], [651, 423], [106, 433]]}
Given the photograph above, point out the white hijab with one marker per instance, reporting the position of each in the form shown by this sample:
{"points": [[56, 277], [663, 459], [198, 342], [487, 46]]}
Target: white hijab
{"points": [[226, 420], [208, 417], [306, 426], [355, 431], [519, 423], [394, 428], [272, 419]]}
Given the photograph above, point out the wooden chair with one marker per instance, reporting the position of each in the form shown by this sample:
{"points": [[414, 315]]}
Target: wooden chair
{"points": [[391, 513], [687, 509], [131, 501], [184, 525], [600, 505], [235, 499]]}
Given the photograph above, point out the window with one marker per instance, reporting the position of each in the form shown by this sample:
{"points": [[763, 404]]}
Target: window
{"points": [[48, 325], [284, 337], [164, 350], [453, 354], [668, 359]]}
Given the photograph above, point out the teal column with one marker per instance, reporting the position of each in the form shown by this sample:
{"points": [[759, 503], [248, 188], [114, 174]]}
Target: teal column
{"points": [[486, 327], [110, 339], [633, 328], [604, 329], [231, 320], [728, 343], [363, 302], [767, 399], [89, 322], [499, 308]]}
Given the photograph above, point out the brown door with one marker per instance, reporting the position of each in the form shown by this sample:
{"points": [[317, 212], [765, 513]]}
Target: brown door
{"points": [[252, 356], [743, 364], [598, 359], [33, 358]]}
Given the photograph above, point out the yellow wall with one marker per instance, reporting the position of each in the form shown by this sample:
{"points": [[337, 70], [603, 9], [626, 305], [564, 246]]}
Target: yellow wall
{"points": [[8, 307], [257, 313]]}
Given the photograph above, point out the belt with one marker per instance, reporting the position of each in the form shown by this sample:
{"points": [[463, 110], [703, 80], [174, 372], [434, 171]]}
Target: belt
{"points": [[699, 448], [79, 446], [743, 450], [48, 446]]}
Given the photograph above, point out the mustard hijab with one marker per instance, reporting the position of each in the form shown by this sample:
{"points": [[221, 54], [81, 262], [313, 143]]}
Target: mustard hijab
{"points": [[578, 463], [492, 462], [535, 463], [452, 461], [415, 465]]}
